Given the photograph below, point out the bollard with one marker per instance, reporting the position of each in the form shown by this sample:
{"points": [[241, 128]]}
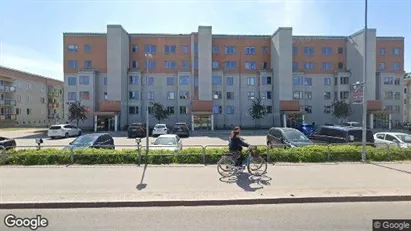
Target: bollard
{"points": [[204, 154]]}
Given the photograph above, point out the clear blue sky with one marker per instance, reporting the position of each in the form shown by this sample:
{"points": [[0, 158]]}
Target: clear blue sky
{"points": [[31, 33]]}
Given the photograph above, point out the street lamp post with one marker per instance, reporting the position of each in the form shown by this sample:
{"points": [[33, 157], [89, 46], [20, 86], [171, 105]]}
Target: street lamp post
{"points": [[148, 56], [364, 88]]}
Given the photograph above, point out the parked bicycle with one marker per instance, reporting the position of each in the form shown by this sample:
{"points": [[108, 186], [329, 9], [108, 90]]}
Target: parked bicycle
{"points": [[255, 164]]}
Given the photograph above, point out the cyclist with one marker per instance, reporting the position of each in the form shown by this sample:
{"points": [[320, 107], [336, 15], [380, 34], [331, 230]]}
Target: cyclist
{"points": [[236, 145]]}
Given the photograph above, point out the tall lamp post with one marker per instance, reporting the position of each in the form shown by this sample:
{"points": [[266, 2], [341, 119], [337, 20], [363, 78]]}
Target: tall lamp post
{"points": [[148, 56], [364, 82]]}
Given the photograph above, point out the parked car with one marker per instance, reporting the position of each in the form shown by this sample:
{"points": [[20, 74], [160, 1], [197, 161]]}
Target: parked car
{"points": [[305, 128], [181, 129], [63, 130], [168, 142], [392, 139], [352, 124], [136, 130], [7, 143], [160, 129], [340, 134], [93, 140], [290, 137]]}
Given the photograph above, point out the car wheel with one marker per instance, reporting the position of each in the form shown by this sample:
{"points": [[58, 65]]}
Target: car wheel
{"points": [[66, 135], [80, 133], [52, 137]]}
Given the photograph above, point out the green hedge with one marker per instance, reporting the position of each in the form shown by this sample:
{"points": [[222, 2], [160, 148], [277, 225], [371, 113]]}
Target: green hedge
{"points": [[342, 153]]}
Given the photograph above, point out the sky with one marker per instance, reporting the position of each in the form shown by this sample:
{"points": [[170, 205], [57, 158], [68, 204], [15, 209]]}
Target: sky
{"points": [[31, 32]]}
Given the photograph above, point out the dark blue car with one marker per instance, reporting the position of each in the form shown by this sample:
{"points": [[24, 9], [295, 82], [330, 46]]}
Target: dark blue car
{"points": [[305, 128]]}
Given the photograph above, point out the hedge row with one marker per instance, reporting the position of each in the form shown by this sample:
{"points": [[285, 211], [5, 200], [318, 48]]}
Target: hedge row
{"points": [[343, 153]]}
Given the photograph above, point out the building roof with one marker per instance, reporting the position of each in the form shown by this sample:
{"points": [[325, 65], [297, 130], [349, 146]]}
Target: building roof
{"points": [[17, 74]]}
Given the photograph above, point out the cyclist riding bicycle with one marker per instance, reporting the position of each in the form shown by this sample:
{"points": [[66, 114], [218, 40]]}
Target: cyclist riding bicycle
{"points": [[236, 145]]}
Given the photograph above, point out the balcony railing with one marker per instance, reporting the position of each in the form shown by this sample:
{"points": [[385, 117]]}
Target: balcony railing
{"points": [[8, 117], [8, 102], [7, 88]]}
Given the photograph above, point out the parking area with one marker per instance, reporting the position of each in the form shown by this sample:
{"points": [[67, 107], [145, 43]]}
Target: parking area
{"points": [[24, 139]]}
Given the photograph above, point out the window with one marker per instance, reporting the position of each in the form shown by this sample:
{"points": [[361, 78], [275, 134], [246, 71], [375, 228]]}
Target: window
{"points": [[216, 80], [150, 95], [216, 49], [84, 80], [215, 65], [295, 66], [308, 81], [87, 48], [17, 111], [327, 81], [73, 64], [84, 95], [196, 48], [388, 95], [134, 64], [388, 108], [397, 81], [340, 65], [308, 109], [340, 50], [43, 100], [308, 66], [230, 81], [397, 95], [185, 65], [184, 95], [327, 109], [327, 95], [133, 94], [267, 95], [134, 48], [171, 95], [170, 81], [251, 95], [183, 110], [170, 49], [382, 51], [72, 96], [217, 109], [133, 80], [72, 48], [397, 108], [265, 50], [105, 81], [196, 81], [105, 95], [327, 50], [171, 110], [388, 80], [297, 80], [170, 64], [344, 81], [297, 95], [72, 81], [327, 66], [230, 65], [150, 81], [267, 80], [230, 95], [151, 64], [249, 50], [184, 49], [251, 81], [88, 64], [151, 49], [196, 64], [18, 98], [308, 95], [396, 66], [309, 51], [396, 51], [184, 80], [217, 95], [344, 95], [250, 65], [229, 50], [381, 66], [229, 110], [295, 50], [133, 110], [28, 111], [269, 109]]}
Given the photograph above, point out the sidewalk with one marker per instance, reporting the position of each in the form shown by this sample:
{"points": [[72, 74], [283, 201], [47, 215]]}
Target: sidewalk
{"points": [[199, 183]]}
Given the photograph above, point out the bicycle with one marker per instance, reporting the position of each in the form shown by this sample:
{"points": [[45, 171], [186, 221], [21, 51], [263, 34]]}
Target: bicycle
{"points": [[226, 165]]}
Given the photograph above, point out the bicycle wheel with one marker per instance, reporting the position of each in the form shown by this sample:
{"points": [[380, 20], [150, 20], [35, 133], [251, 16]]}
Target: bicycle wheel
{"points": [[226, 166], [257, 166]]}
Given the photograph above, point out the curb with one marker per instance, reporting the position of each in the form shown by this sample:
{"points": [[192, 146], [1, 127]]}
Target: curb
{"points": [[191, 203]]}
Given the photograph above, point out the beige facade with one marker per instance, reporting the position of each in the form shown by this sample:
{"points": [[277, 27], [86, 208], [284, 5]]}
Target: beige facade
{"points": [[29, 100]]}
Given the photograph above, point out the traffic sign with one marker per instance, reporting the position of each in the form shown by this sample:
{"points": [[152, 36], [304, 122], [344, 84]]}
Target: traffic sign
{"points": [[357, 95]]}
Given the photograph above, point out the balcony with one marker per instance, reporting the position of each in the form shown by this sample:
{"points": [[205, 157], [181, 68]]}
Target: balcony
{"points": [[8, 102], [7, 88], [8, 117], [53, 105]]}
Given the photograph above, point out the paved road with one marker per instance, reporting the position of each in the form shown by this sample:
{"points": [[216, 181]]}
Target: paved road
{"points": [[344, 216]]}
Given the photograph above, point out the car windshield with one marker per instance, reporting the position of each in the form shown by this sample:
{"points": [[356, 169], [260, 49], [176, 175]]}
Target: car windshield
{"points": [[165, 141], [293, 135], [404, 138], [358, 135], [55, 127], [84, 141], [160, 126]]}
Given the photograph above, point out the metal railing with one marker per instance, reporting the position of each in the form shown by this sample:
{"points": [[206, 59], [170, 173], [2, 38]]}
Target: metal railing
{"points": [[141, 150]]}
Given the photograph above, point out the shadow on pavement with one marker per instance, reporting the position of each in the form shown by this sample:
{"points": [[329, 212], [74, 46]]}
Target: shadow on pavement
{"points": [[248, 182], [390, 168], [142, 185]]}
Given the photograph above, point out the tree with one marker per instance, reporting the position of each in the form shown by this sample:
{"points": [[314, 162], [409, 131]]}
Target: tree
{"points": [[341, 109], [159, 111], [407, 75], [77, 112], [257, 110]]}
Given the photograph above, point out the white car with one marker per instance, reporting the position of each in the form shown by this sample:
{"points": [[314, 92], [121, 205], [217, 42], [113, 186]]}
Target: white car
{"points": [[168, 142], [63, 130], [160, 129], [392, 139]]}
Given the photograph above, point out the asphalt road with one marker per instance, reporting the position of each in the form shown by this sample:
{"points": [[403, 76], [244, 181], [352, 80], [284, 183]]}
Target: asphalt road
{"points": [[343, 216]]}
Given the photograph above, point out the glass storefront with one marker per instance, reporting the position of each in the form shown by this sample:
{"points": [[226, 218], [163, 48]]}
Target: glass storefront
{"points": [[105, 123], [381, 120], [202, 122]]}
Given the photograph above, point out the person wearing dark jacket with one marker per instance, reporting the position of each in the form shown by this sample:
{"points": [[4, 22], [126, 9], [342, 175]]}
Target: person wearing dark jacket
{"points": [[236, 145]]}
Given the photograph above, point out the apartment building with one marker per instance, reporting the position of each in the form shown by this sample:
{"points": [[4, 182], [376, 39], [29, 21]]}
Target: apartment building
{"points": [[209, 80], [29, 100]]}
